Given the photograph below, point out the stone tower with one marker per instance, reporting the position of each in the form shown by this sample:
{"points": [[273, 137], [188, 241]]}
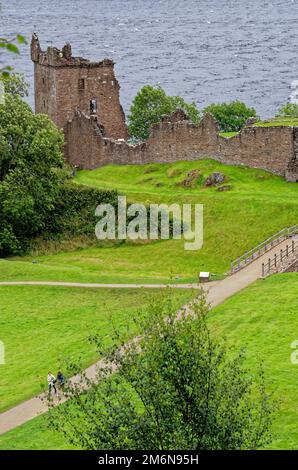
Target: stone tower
{"points": [[64, 84]]}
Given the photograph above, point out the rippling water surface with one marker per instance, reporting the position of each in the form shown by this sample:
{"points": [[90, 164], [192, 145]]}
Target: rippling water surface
{"points": [[205, 50]]}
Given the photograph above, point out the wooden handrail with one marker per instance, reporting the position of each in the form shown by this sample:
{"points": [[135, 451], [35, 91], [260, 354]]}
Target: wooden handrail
{"points": [[262, 248]]}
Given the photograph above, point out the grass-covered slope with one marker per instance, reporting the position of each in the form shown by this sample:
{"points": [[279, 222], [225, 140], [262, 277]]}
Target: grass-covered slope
{"points": [[256, 205], [42, 326], [264, 319]]}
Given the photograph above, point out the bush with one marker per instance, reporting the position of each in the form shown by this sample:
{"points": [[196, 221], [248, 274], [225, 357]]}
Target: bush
{"points": [[148, 107], [288, 110], [176, 387], [74, 209], [231, 117]]}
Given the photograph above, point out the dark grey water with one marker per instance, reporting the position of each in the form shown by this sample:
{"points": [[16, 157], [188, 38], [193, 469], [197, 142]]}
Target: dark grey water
{"points": [[205, 50]]}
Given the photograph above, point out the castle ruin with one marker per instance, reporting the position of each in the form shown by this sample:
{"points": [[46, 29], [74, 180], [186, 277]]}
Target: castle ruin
{"points": [[82, 97], [64, 84]]}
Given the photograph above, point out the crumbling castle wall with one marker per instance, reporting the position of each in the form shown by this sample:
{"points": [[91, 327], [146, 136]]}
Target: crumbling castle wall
{"points": [[269, 148]]}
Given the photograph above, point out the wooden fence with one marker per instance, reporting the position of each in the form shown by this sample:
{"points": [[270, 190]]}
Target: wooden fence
{"points": [[273, 263]]}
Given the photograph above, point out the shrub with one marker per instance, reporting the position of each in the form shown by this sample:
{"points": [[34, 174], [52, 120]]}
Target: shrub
{"points": [[231, 117], [148, 107], [288, 110]]}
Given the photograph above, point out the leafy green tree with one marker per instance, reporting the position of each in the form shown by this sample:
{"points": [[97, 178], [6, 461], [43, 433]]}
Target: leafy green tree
{"points": [[15, 84], [231, 117], [176, 387], [288, 110], [30, 155], [148, 107]]}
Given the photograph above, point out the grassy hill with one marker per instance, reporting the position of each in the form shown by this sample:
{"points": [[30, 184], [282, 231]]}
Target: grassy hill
{"points": [[256, 205], [262, 318]]}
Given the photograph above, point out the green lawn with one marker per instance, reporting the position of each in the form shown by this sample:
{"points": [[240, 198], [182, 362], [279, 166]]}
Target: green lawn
{"points": [[41, 327], [263, 318], [229, 134], [279, 121], [257, 205], [34, 435]]}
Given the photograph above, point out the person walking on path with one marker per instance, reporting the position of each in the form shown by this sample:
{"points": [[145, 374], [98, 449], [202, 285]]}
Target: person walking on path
{"points": [[60, 380], [51, 383]]}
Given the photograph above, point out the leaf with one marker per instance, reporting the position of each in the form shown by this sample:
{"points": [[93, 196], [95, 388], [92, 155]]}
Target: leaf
{"points": [[21, 39], [12, 48]]}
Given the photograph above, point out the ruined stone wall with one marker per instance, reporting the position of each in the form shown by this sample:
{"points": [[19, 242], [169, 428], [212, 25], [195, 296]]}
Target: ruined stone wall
{"points": [[292, 169], [64, 83], [270, 148]]}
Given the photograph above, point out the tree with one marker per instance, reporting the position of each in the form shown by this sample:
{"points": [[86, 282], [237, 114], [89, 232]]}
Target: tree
{"points": [[288, 110], [15, 84], [231, 117], [148, 107], [30, 156], [176, 387]]}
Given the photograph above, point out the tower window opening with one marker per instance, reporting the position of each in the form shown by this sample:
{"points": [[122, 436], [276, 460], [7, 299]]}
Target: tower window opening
{"points": [[93, 106], [81, 84]]}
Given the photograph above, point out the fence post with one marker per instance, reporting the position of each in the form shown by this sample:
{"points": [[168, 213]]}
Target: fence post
{"points": [[287, 251], [263, 270], [281, 255], [269, 265], [275, 260], [293, 246]]}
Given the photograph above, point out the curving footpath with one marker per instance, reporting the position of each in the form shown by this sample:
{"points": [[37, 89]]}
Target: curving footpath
{"points": [[217, 292], [101, 286]]}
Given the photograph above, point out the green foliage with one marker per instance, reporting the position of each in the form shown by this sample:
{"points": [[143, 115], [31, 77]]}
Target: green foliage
{"points": [[231, 117], [15, 84], [148, 107], [176, 388], [30, 151], [74, 209], [288, 110], [10, 46]]}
